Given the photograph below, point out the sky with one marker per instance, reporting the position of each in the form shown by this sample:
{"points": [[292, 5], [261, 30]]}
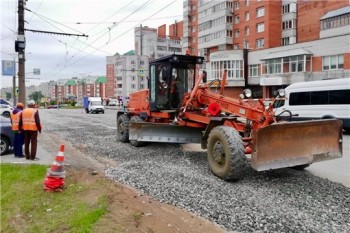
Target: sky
{"points": [[109, 25]]}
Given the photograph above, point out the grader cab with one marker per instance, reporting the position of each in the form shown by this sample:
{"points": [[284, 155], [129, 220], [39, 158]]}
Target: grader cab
{"points": [[180, 107]]}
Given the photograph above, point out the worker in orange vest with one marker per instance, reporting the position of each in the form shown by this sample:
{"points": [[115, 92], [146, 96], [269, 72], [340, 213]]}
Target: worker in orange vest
{"points": [[19, 136], [30, 123]]}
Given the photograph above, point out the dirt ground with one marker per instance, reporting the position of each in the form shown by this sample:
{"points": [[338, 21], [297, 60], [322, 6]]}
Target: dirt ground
{"points": [[129, 210]]}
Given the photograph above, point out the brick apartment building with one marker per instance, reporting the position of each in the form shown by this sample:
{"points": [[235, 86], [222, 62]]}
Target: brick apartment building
{"points": [[75, 89], [267, 45]]}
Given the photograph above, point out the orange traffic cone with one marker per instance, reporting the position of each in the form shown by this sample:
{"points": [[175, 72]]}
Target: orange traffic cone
{"points": [[54, 180], [57, 167]]}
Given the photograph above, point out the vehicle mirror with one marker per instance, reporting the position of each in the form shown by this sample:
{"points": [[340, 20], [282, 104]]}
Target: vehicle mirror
{"points": [[204, 77]]}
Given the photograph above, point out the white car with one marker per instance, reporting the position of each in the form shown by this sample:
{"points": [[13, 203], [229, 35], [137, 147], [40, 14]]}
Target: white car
{"points": [[5, 110]]}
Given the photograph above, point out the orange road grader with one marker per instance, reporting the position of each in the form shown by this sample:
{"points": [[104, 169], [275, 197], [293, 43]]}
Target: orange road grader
{"points": [[179, 106]]}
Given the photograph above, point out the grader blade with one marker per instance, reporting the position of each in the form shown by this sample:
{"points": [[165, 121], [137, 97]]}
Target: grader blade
{"points": [[296, 143], [156, 132]]}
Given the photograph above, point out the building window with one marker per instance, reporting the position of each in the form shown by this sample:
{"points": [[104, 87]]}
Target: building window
{"points": [[132, 86], [285, 41], [142, 62], [246, 2], [246, 31], [236, 5], [260, 12], [296, 64], [132, 62], [236, 33], [288, 24], [292, 7], [236, 46], [236, 19], [259, 43], [273, 66], [285, 9], [260, 27], [246, 17], [234, 69], [334, 62], [334, 22], [245, 44], [254, 70]]}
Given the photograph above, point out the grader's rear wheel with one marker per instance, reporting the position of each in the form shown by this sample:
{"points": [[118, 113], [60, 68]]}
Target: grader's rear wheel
{"points": [[136, 119], [123, 128], [226, 155]]}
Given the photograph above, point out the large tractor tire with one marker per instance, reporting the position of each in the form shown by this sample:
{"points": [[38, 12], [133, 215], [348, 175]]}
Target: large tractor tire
{"points": [[136, 119], [226, 155], [123, 128]]}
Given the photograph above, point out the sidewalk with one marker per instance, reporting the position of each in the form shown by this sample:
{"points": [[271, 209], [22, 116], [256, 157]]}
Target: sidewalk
{"points": [[46, 157], [48, 147]]}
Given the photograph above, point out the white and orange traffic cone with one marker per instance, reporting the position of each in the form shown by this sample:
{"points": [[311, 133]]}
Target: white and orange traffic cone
{"points": [[54, 180], [57, 167]]}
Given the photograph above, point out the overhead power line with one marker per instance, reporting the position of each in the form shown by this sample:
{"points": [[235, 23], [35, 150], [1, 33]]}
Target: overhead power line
{"points": [[136, 10], [56, 33]]}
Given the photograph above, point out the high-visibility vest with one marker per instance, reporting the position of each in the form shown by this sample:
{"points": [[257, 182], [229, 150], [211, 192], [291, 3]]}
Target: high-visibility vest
{"points": [[28, 119], [15, 120]]}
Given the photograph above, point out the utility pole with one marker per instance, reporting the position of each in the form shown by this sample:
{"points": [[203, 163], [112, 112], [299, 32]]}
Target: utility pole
{"points": [[21, 53], [14, 94]]}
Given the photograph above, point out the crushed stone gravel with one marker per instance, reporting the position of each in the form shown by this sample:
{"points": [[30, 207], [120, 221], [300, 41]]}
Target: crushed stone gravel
{"points": [[283, 200]]}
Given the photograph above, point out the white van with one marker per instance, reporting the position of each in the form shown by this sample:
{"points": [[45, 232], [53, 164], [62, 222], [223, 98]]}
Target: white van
{"points": [[323, 99]]}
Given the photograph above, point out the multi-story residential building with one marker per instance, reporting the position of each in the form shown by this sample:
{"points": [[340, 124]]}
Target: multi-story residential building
{"points": [[131, 74], [75, 89], [190, 27], [110, 77], [71, 88], [273, 43], [257, 24], [156, 43], [319, 50]]}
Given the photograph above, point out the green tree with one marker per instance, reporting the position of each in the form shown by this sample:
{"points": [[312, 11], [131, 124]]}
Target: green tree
{"points": [[36, 96]]}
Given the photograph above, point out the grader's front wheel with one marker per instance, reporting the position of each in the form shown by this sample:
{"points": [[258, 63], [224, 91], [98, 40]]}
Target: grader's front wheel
{"points": [[226, 155], [136, 143], [123, 128]]}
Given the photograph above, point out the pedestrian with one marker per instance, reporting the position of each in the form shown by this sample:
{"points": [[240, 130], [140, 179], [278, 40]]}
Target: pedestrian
{"points": [[30, 123], [19, 136]]}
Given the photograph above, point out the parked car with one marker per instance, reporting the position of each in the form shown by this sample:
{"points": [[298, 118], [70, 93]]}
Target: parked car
{"points": [[2, 101], [113, 102], [7, 136], [54, 106], [5, 110]]}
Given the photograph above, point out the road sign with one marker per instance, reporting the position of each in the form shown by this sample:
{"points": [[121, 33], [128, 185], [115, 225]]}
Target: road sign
{"points": [[141, 72], [8, 68]]}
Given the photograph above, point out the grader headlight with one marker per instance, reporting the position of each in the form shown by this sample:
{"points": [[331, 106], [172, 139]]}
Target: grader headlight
{"points": [[247, 93]]}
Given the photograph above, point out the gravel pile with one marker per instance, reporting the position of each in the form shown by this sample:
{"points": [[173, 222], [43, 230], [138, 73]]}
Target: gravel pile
{"points": [[282, 200]]}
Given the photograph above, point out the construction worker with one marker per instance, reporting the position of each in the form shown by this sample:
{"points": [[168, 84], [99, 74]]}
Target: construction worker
{"points": [[30, 123], [19, 136]]}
